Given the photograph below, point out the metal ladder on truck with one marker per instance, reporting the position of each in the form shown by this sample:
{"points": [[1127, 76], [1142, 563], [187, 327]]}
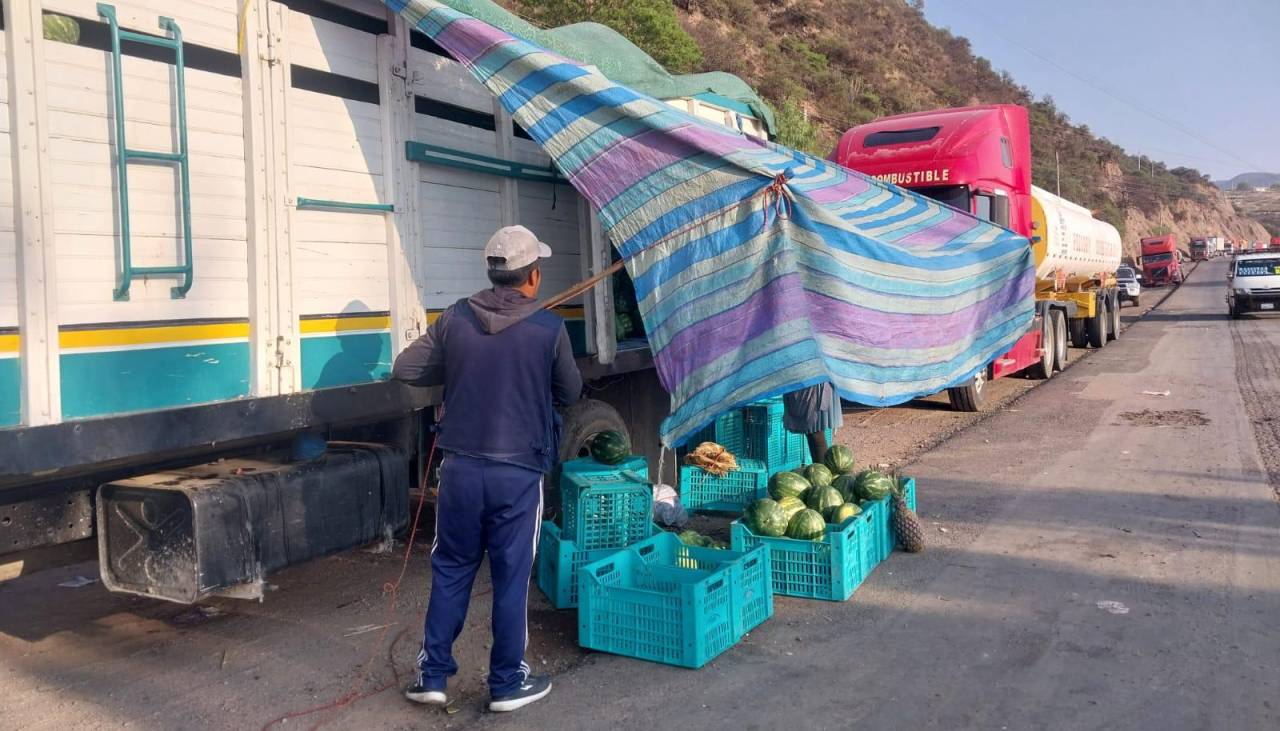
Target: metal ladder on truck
{"points": [[124, 155]]}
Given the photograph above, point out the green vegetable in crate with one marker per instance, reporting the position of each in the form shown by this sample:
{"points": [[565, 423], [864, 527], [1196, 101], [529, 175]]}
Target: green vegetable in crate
{"points": [[622, 325], [60, 28], [765, 518], [842, 512], [839, 459], [844, 483], [818, 474], [697, 540], [821, 498], [807, 525], [610, 447], [787, 484], [790, 505], [872, 485]]}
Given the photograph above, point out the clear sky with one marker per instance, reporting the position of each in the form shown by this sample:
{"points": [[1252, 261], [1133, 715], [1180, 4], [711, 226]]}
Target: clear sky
{"points": [[1144, 73]]}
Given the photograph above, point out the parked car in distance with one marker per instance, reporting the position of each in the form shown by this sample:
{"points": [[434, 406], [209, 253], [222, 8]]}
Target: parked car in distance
{"points": [[1253, 284], [1128, 286]]}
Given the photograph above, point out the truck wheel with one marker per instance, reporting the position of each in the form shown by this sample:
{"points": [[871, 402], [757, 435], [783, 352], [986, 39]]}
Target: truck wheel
{"points": [[1096, 327], [1076, 328], [1136, 301], [1113, 327], [1060, 339], [1043, 368], [968, 397], [581, 422]]}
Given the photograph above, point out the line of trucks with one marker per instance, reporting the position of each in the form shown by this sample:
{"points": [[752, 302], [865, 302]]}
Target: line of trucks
{"points": [[327, 233]]}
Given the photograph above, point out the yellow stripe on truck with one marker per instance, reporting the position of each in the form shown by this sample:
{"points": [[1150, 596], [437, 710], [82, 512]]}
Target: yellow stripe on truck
{"points": [[127, 336], [345, 324], [9, 343]]}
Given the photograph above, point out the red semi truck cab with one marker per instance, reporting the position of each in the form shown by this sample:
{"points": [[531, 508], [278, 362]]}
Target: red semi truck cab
{"points": [[978, 159], [1160, 261], [1199, 249], [1275, 242]]}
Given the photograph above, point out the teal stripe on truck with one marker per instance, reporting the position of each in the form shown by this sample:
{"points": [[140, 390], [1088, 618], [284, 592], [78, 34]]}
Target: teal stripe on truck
{"points": [[10, 391], [143, 379]]}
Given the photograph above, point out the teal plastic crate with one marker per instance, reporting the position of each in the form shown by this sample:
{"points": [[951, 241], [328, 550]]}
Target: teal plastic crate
{"points": [[726, 430], [767, 440], [558, 563], [605, 510], [663, 601], [829, 569], [588, 466], [702, 491]]}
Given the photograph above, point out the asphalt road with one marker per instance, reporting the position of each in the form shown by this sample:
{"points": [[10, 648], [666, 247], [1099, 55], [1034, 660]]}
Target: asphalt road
{"points": [[1111, 560], [1099, 557]]}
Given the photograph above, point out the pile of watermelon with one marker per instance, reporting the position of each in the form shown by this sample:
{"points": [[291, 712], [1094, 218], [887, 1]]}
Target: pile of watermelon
{"points": [[803, 502]]}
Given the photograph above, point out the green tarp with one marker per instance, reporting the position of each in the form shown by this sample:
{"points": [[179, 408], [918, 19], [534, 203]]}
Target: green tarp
{"points": [[620, 59]]}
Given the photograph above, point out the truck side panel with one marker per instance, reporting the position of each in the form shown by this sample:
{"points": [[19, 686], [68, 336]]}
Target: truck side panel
{"points": [[152, 351], [10, 365]]}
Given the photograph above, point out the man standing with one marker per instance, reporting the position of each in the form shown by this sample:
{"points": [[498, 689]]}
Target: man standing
{"points": [[505, 363], [812, 411]]}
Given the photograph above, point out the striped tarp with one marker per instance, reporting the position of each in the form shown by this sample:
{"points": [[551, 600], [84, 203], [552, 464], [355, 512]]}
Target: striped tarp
{"points": [[758, 269]]}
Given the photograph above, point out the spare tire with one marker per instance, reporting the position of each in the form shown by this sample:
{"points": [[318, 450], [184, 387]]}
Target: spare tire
{"points": [[581, 422]]}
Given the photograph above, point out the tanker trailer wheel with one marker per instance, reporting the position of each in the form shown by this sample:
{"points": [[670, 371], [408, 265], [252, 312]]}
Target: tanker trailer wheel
{"points": [[970, 396], [582, 421], [1096, 328], [1113, 309], [1048, 345], [1076, 328], [1060, 339]]}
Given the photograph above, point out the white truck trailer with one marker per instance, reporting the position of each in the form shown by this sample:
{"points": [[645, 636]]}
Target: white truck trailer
{"points": [[222, 220]]}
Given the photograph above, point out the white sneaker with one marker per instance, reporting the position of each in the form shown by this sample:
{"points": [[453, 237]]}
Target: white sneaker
{"points": [[534, 688], [418, 694]]}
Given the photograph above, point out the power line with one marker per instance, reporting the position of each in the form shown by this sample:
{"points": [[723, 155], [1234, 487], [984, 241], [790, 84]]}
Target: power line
{"points": [[1098, 87]]}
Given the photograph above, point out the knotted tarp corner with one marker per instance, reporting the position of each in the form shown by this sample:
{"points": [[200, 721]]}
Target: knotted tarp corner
{"points": [[757, 269]]}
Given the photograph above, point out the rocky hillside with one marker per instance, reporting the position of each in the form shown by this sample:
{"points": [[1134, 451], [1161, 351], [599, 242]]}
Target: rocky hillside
{"points": [[826, 65], [1263, 207]]}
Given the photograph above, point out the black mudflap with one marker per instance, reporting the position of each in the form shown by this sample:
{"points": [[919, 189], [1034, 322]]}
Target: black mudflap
{"points": [[221, 528]]}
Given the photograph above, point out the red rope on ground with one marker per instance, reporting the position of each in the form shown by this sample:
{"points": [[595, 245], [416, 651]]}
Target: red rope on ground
{"points": [[392, 589]]}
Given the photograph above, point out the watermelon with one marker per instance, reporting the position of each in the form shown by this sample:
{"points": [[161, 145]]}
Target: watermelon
{"points": [[807, 525], [821, 498], [765, 518], [844, 483], [840, 513], [872, 485], [839, 459], [790, 506], [787, 484], [818, 474], [610, 447]]}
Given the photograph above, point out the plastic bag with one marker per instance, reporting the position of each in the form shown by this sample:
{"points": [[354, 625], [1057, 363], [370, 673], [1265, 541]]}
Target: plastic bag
{"points": [[667, 509]]}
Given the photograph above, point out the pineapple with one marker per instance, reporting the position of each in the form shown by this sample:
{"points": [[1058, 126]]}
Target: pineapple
{"points": [[906, 526]]}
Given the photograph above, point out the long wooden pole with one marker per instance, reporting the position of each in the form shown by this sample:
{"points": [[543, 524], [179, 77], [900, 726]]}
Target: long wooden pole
{"points": [[582, 286]]}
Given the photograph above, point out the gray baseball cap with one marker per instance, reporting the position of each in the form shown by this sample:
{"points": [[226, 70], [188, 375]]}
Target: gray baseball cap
{"points": [[516, 246]]}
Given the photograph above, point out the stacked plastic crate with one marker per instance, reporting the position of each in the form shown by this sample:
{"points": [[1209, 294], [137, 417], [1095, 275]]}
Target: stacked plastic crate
{"points": [[604, 508], [755, 436]]}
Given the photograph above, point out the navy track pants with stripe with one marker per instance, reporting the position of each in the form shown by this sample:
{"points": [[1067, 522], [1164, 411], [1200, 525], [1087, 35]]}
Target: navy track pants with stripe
{"points": [[483, 507]]}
